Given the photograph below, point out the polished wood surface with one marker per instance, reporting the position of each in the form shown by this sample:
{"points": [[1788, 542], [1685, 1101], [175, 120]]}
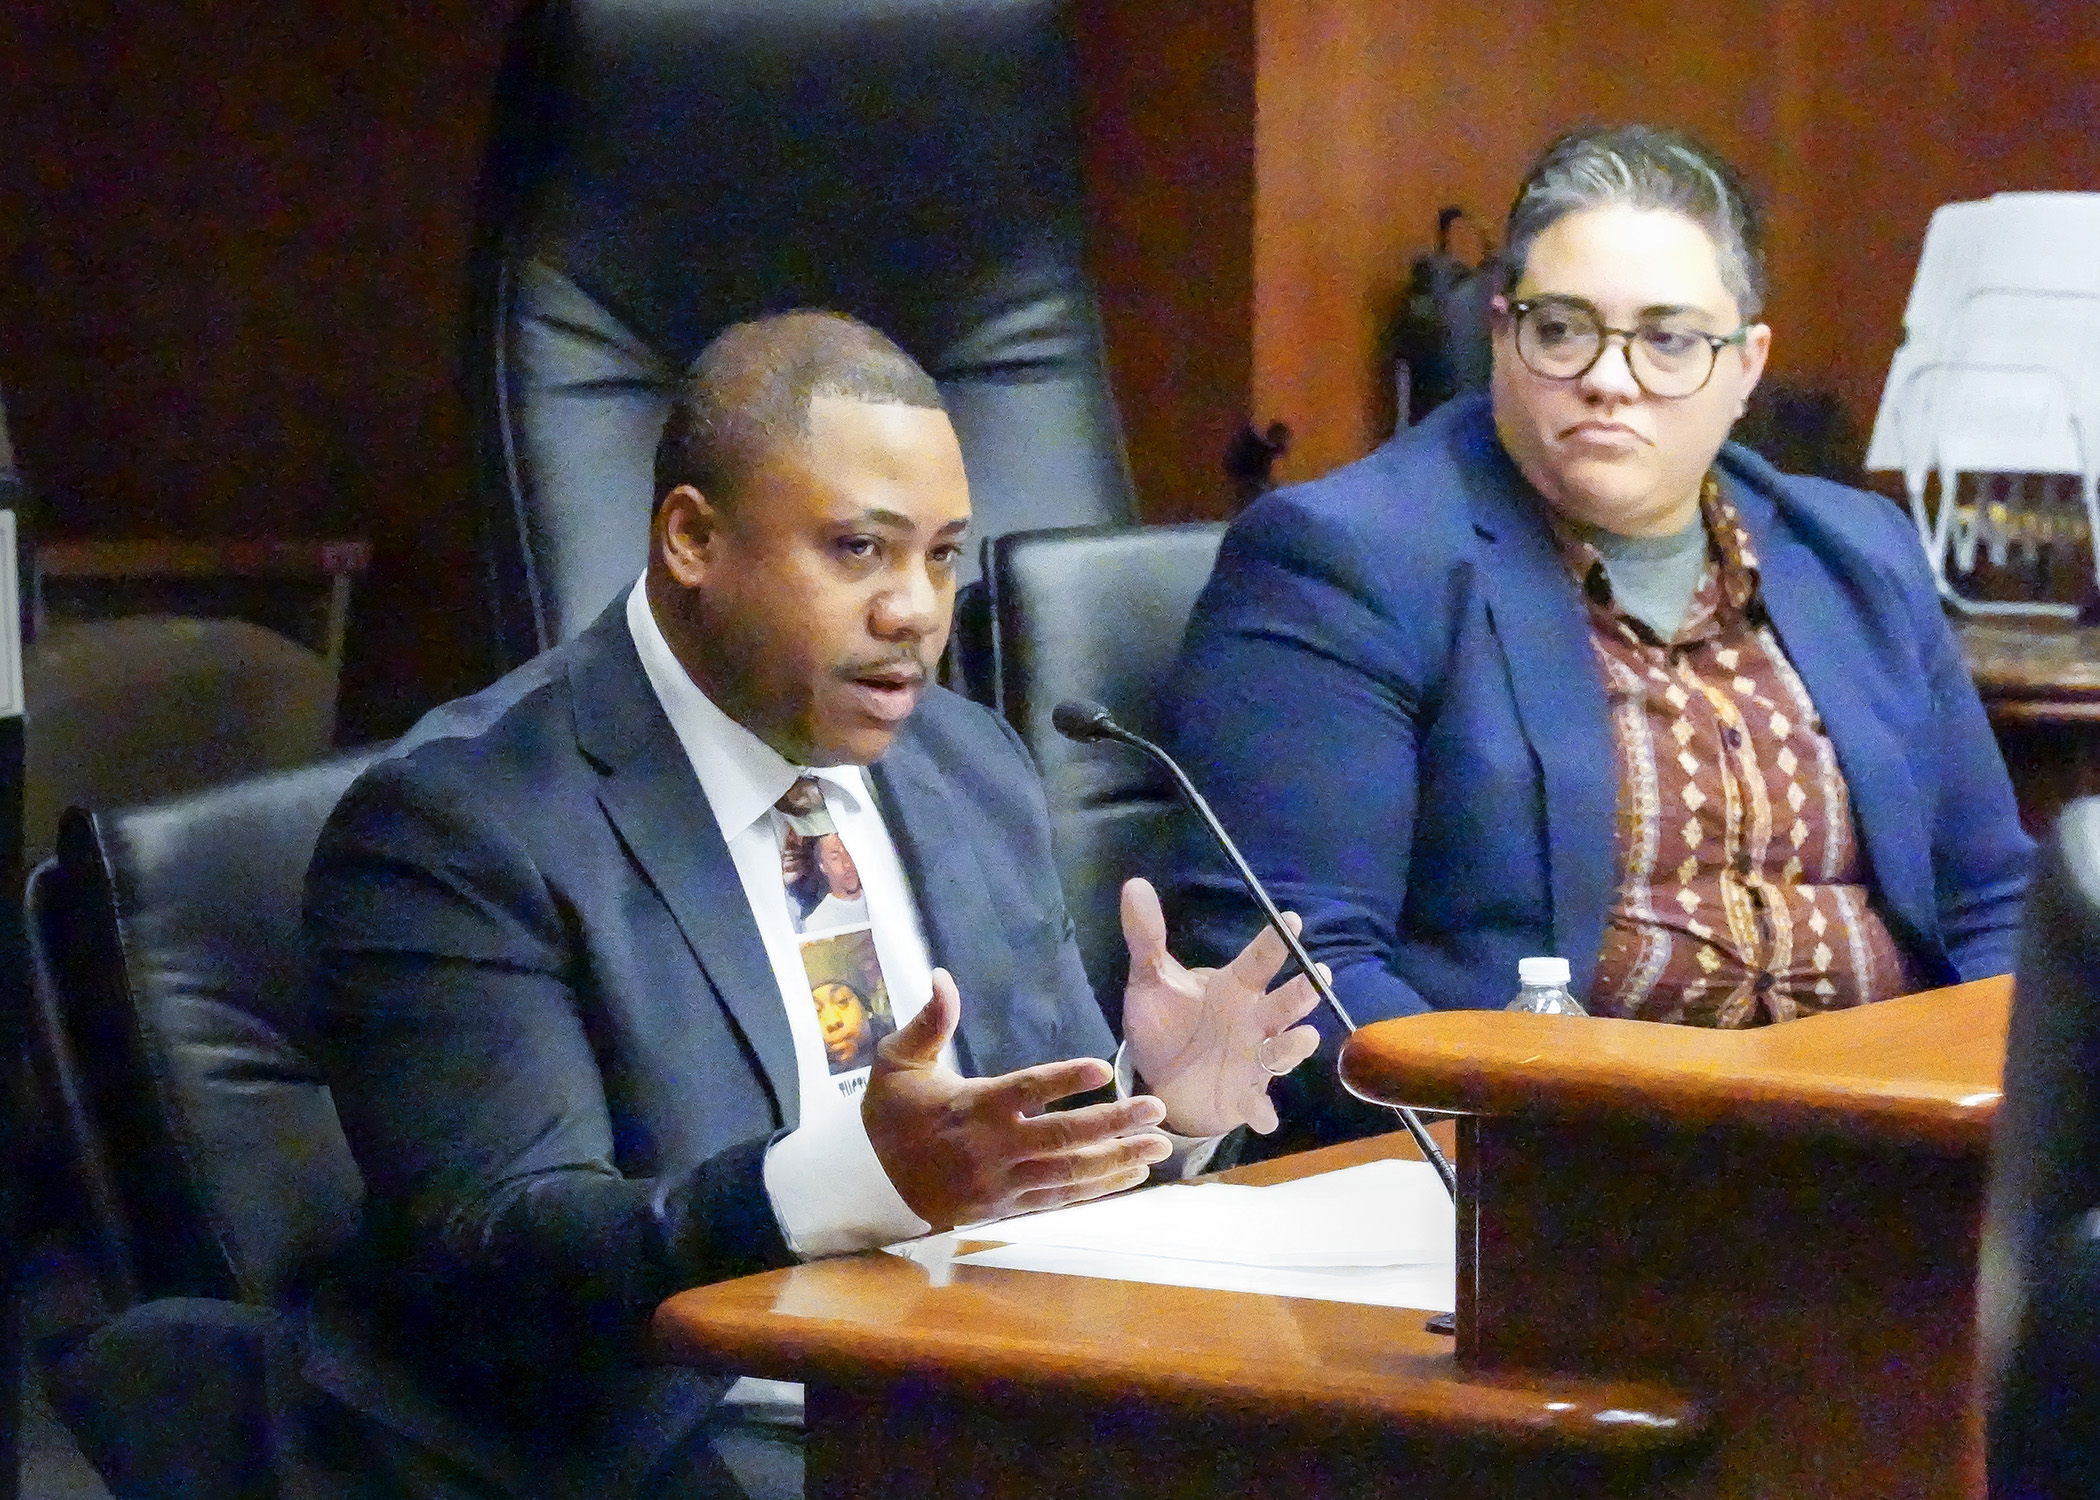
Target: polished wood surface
{"points": [[1924, 1070], [873, 1320], [235, 289], [1782, 1222], [1690, 1265], [2040, 684], [1818, 1294], [2039, 661], [1019, 1370], [880, 1317]]}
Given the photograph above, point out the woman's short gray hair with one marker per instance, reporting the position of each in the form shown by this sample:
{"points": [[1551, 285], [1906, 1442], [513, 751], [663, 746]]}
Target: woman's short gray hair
{"points": [[1643, 166]]}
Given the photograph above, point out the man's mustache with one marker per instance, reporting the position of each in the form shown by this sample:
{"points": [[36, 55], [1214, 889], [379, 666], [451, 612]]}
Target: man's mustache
{"points": [[910, 667]]}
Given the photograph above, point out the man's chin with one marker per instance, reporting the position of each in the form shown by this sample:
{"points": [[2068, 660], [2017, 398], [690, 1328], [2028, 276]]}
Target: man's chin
{"points": [[852, 745], [859, 723]]}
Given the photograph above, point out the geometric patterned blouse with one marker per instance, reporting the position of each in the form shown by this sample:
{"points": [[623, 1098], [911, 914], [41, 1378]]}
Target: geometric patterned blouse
{"points": [[1742, 893]]}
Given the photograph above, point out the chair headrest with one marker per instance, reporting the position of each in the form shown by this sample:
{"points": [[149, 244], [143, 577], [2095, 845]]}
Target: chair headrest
{"points": [[1094, 613], [1097, 613], [913, 161]]}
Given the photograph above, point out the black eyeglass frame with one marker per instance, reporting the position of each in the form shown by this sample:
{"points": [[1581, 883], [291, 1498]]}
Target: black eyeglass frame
{"points": [[1715, 343]]}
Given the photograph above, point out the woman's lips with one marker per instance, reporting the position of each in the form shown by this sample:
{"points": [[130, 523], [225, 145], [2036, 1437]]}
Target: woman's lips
{"points": [[1610, 436]]}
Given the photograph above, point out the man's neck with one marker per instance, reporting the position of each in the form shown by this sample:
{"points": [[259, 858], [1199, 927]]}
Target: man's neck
{"points": [[668, 608]]}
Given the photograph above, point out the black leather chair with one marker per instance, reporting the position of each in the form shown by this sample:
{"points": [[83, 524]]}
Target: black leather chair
{"points": [[2040, 1288], [210, 1175], [660, 171], [1098, 613]]}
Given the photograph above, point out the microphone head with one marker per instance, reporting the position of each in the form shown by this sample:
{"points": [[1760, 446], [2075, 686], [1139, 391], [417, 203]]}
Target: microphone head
{"points": [[1078, 719]]}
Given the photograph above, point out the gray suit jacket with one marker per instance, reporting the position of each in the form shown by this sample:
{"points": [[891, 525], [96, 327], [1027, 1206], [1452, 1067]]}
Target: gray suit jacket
{"points": [[559, 1051]]}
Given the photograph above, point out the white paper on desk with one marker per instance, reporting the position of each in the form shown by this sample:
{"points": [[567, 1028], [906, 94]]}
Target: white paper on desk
{"points": [[1430, 1288], [1383, 1213], [1382, 1233]]}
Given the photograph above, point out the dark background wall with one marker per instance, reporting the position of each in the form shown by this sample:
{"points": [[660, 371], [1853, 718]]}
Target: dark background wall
{"points": [[231, 245], [232, 235], [231, 238]]}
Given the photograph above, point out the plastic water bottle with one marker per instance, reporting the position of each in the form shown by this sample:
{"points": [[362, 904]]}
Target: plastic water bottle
{"points": [[1544, 988]]}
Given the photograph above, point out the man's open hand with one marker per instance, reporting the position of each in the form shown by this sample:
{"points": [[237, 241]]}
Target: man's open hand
{"points": [[960, 1150], [1197, 1036]]}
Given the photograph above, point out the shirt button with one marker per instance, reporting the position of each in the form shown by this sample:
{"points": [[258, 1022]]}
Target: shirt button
{"points": [[1764, 983], [1733, 736], [1742, 862]]}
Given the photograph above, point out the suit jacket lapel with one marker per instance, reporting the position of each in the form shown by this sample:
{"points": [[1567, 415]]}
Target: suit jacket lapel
{"points": [[1538, 617], [963, 932], [650, 794]]}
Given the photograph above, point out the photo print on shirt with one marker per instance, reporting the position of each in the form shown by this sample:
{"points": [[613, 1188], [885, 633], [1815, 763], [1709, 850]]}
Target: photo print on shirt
{"points": [[853, 1004], [823, 884]]}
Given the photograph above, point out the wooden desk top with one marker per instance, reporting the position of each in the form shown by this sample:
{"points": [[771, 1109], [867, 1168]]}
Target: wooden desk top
{"points": [[868, 1320], [2036, 664], [1925, 1070]]}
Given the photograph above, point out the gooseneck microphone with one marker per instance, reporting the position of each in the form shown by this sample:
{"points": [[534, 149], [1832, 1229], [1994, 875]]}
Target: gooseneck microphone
{"points": [[1088, 722]]}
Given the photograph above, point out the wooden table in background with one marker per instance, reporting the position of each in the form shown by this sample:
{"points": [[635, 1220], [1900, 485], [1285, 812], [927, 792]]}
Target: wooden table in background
{"points": [[2040, 684]]}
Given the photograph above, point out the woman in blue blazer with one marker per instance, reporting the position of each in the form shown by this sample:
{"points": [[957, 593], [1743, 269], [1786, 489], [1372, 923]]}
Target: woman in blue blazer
{"points": [[1428, 691]]}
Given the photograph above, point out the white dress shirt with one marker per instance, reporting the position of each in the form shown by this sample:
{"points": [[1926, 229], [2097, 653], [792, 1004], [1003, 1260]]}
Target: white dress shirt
{"points": [[828, 1189]]}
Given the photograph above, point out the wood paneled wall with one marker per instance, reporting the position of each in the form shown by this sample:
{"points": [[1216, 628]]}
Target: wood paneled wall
{"points": [[232, 260], [1855, 120], [1168, 112], [232, 244], [233, 235]]}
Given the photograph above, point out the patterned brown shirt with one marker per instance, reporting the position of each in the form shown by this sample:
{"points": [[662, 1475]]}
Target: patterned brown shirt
{"points": [[1742, 897]]}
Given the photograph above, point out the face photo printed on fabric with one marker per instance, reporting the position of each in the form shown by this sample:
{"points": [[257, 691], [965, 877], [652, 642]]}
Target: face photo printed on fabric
{"points": [[853, 1004], [823, 885]]}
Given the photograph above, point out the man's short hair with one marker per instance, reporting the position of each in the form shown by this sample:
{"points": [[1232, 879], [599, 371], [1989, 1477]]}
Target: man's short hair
{"points": [[1643, 166], [751, 389]]}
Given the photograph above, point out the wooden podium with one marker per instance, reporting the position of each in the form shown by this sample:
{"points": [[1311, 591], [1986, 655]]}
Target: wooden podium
{"points": [[1691, 1264], [1781, 1224]]}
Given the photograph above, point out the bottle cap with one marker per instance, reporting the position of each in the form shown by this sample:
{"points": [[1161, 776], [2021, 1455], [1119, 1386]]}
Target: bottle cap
{"points": [[1542, 971]]}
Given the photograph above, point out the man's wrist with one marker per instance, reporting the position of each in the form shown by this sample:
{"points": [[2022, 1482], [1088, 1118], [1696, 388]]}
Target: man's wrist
{"points": [[830, 1191]]}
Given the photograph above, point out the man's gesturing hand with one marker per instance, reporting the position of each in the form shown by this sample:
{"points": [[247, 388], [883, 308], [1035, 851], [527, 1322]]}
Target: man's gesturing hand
{"points": [[964, 1149], [1195, 1035]]}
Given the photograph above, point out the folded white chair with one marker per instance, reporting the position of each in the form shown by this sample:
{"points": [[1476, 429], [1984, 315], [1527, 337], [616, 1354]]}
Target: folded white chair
{"points": [[1999, 373]]}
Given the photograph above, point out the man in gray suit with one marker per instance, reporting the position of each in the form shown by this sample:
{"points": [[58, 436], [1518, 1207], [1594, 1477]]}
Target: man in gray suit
{"points": [[572, 998]]}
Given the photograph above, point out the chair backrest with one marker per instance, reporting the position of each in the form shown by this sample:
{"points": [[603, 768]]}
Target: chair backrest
{"points": [[658, 172], [169, 1031], [2040, 1289], [127, 711], [1098, 613]]}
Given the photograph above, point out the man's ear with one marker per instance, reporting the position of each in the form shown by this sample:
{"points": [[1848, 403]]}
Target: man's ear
{"points": [[687, 534]]}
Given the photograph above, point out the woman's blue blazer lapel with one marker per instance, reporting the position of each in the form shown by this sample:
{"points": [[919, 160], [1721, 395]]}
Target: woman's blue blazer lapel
{"points": [[1537, 615]]}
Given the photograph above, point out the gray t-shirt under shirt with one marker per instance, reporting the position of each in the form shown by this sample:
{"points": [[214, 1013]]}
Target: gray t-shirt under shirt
{"points": [[1653, 578]]}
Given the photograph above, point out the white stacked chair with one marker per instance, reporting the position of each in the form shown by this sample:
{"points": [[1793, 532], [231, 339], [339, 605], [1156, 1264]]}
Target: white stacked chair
{"points": [[1999, 374]]}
